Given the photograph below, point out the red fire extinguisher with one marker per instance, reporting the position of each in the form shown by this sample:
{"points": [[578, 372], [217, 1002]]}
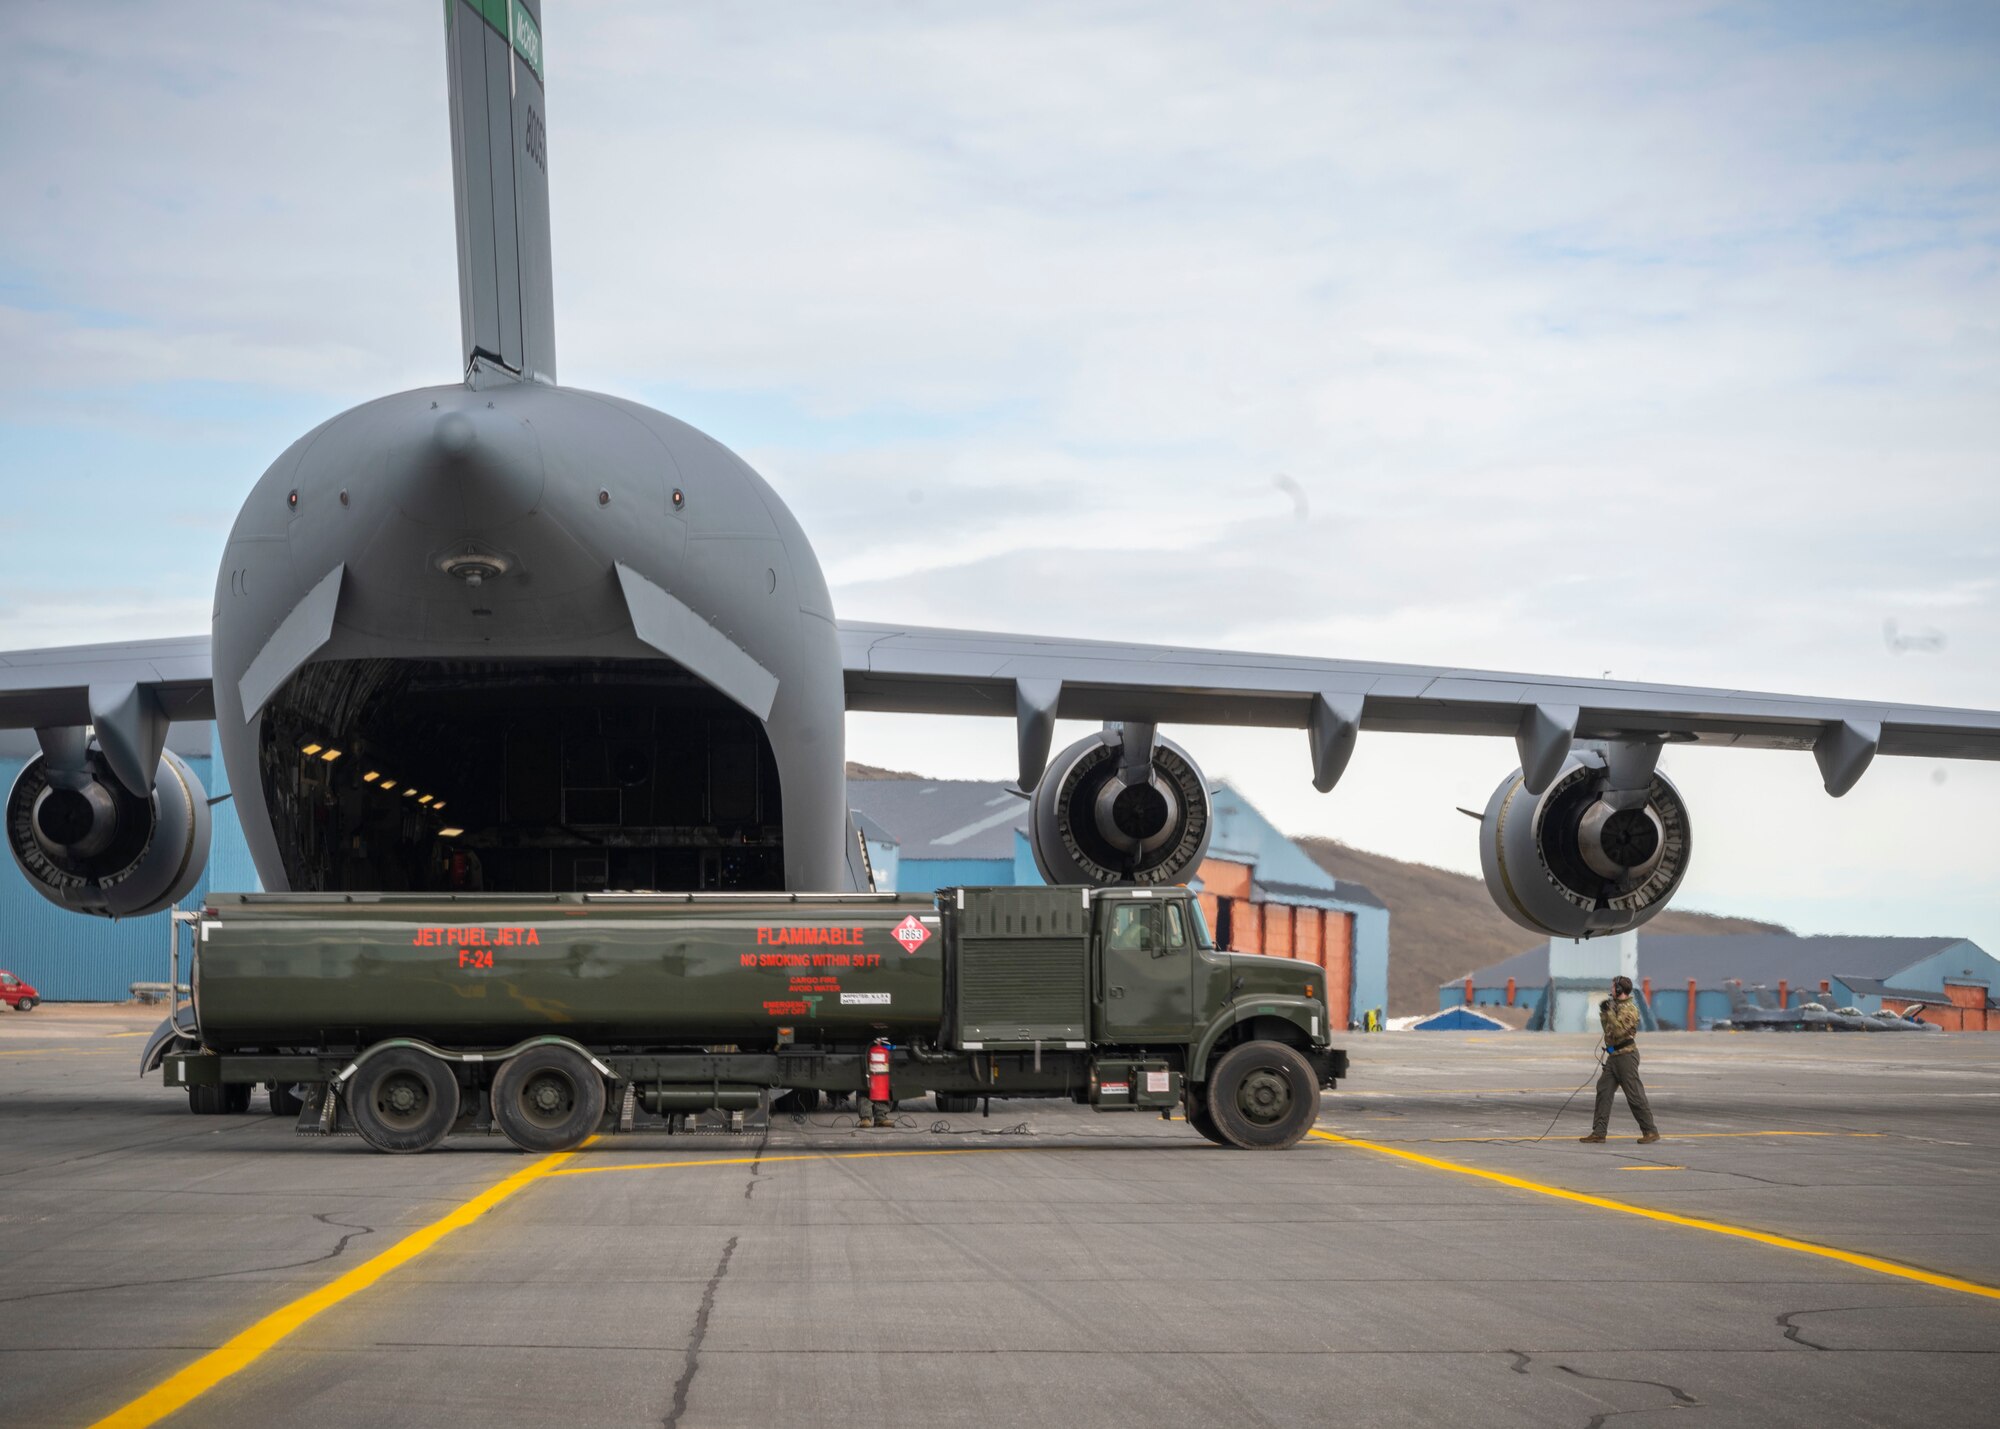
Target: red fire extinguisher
{"points": [[878, 1075]]}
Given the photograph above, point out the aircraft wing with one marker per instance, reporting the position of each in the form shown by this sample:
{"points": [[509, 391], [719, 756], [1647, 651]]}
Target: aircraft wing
{"points": [[913, 669], [44, 688]]}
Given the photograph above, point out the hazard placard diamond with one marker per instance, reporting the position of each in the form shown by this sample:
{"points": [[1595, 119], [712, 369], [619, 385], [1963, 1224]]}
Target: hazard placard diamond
{"points": [[910, 933]]}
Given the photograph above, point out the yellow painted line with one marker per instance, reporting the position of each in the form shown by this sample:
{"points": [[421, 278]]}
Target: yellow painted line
{"points": [[239, 1353], [125, 1034], [773, 1160], [1605, 1203]]}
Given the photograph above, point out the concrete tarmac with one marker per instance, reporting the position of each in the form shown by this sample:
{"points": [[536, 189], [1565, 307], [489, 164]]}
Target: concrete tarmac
{"points": [[1090, 1270]]}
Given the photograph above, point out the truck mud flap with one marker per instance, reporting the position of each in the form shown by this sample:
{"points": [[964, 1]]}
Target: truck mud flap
{"points": [[320, 1115], [1330, 1066]]}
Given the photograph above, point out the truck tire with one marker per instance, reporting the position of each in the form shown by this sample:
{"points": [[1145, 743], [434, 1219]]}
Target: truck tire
{"points": [[1263, 1096], [403, 1100], [207, 1101], [548, 1099], [956, 1103], [801, 1101], [236, 1097], [285, 1101]]}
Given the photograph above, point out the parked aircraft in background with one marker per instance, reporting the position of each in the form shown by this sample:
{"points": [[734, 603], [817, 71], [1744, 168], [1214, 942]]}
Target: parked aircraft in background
{"points": [[1757, 1010], [507, 633]]}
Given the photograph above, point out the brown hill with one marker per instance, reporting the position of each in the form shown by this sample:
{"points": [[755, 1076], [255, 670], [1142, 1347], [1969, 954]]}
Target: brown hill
{"points": [[870, 771], [1443, 925]]}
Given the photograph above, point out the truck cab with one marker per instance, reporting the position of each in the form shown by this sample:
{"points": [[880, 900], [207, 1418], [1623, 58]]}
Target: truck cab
{"points": [[1134, 976]]}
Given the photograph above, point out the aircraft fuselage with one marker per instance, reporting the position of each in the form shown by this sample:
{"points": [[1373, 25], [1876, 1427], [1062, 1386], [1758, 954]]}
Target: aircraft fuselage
{"points": [[595, 634]]}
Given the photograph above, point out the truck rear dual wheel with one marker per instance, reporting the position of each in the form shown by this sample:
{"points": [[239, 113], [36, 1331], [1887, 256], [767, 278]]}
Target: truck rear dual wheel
{"points": [[548, 1099], [1263, 1096], [219, 1099], [958, 1103], [285, 1101], [403, 1100]]}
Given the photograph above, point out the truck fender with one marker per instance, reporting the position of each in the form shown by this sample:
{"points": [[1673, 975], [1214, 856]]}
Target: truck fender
{"points": [[341, 1078], [1302, 1012], [174, 1034]]}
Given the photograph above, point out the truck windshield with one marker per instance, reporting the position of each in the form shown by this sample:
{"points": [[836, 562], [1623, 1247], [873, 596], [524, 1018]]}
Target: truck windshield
{"points": [[1201, 934], [8, 980]]}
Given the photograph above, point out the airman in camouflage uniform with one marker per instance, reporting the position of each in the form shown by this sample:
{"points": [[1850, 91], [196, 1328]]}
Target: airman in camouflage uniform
{"points": [[1619, 1016]]}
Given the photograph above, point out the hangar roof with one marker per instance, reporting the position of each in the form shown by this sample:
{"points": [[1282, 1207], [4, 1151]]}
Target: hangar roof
{"points": [[1712, 958], [1875, 987], [871, 830], [942, 818], [1342, 891]]}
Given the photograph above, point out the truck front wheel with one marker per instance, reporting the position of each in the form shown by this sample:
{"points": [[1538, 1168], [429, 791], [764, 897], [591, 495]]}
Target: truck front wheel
{"points": [[1263, 1096], [548, 1099], [403, 1100]]}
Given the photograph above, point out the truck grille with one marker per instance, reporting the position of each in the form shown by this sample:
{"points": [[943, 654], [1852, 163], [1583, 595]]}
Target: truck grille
{"points": [[1021, 990]]}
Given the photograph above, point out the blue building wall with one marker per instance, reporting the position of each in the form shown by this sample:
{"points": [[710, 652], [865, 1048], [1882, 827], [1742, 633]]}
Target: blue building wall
{"points": [[73, 958], [1669, 1004], [927, 875], [1371, 960], [1026, 875]]}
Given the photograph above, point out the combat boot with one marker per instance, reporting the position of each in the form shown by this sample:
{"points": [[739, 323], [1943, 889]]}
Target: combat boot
{"points": [[1594, 1136]]}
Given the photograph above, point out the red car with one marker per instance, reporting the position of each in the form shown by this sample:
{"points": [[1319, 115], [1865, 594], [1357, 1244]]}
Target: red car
{"points": [[17, 994]]}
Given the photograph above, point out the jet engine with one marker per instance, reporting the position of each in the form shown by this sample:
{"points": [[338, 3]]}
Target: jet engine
{"points": [[90, 845], [1123, 806], [1584, 858]]}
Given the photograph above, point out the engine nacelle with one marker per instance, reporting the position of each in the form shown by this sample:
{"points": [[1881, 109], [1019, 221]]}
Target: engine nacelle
{"points": [[1101, 817], [1582, 860], [89, 845]]}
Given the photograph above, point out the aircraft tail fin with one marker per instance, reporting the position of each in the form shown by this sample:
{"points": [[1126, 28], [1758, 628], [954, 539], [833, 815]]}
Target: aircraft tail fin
{"points": [[499, 163]]}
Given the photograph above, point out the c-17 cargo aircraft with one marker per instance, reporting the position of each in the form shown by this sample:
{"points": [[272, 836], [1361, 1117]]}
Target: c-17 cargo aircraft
{"points": [[509, 634]]}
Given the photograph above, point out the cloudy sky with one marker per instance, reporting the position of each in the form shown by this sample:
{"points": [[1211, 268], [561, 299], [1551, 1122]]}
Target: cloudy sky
{"points": [[1656, 339]]}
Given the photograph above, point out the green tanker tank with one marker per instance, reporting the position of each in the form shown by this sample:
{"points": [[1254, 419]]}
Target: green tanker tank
{"points": [[553, 1018], [643, 970]]}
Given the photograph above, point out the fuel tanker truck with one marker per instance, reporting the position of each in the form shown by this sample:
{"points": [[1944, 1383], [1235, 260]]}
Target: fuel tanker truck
{"points": [[552, 1018]]}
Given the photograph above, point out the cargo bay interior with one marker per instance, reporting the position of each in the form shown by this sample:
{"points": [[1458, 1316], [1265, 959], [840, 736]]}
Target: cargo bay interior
{"points": [[545, 776]]}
